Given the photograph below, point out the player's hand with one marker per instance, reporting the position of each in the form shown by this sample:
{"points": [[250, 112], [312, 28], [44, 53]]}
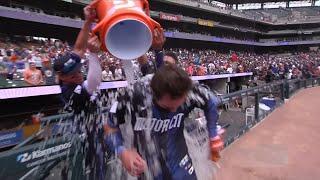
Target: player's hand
{"points": [[216, 145], [158, 39], [90, 13], [94, 44], [143, 59], [133, 162]]}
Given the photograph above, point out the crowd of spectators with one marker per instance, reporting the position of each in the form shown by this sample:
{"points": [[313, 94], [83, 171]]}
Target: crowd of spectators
{"points": [[242, 37], [285, 15], [219, 35], [24, 63], [29, 62], [265, 66], [48, 11]]}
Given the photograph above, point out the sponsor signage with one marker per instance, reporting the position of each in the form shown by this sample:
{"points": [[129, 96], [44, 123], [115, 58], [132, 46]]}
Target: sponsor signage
{"points": [[169, 17], [30, 156], [203, 22], [37, 157], [10, 138]]}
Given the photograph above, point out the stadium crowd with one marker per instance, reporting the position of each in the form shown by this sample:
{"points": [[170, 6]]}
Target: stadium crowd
{"points": [[274, 15], [215, 34], [289, 66], [31, 61]]}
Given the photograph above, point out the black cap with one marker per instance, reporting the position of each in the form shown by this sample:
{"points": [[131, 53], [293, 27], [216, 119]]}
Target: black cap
{"points": [[67, 63]]}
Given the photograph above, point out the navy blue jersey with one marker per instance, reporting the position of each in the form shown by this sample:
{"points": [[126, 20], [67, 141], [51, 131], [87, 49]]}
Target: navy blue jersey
{"points": [[76, 99], [158, 133]]}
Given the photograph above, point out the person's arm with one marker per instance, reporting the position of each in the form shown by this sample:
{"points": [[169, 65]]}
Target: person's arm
{"points": [[202, 97], [95, 71], [130, 159], [157, 45], [205, 100], [81, 42], [159, 58], [113, 136], [158, 41], [80, 46]]}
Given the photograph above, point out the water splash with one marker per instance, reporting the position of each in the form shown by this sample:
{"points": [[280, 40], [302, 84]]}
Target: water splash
{"points": [[196, 135]]}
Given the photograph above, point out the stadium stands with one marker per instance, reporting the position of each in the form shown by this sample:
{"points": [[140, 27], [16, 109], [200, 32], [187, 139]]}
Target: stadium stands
{"points": [[278, 15], [286, 14], [16, 56], [245, 36]]}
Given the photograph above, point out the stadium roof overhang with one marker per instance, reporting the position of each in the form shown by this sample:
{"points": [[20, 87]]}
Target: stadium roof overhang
{"points": [[252, 1]]}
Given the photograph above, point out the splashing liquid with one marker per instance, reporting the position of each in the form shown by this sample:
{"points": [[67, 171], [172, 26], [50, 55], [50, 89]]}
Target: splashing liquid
{"points": [[195, 133]]}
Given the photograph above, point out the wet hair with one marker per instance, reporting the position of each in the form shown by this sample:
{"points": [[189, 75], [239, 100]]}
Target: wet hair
{"points": [[173, 55], [170, 80]]}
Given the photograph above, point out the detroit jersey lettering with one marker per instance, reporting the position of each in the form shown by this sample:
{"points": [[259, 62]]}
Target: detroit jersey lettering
{"points": [[158, 125]]}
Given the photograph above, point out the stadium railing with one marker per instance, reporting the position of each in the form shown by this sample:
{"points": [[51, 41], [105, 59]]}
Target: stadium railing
{"points": [[27, 91]]}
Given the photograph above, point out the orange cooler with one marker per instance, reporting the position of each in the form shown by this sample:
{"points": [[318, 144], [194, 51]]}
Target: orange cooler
{"points": [[125, 27]]}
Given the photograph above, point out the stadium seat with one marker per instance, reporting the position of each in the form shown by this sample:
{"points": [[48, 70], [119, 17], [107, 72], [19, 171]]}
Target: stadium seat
{"points": [[249, 114]]}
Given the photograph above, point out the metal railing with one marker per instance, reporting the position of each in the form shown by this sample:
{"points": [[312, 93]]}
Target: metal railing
{"points": [[280, 91]]}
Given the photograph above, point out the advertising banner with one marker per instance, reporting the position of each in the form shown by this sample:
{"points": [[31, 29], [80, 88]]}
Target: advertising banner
{"points": [[10, 138], [203, 22], [30, 156], [169, 17]]}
